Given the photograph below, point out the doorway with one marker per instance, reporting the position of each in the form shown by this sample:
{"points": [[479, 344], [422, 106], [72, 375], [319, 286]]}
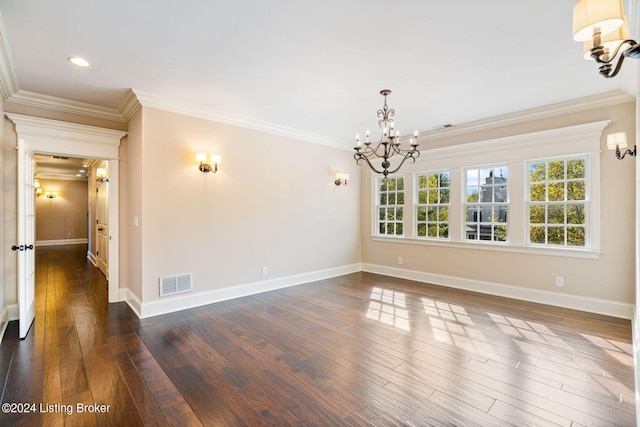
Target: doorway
{"points": [[36, 135]]}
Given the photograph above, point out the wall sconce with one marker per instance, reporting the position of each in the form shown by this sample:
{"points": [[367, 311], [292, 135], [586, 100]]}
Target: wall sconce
{"points": [[201, 158], [341, 178], [51, 194], [38, 189], [101, 174], [602, 25], [617, 141]]}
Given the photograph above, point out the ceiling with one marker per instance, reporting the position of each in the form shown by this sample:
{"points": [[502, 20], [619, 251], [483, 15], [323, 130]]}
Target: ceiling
{"points": [[314, 67]]}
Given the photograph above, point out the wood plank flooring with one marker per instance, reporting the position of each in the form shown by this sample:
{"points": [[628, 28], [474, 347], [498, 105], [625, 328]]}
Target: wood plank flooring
{"points": [[357, 350]]}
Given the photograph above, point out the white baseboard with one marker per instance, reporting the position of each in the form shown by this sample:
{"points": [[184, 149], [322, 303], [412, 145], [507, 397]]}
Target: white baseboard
{"points": [[132, 300], [186, 301], [61, 242], [576, 302], [8, 313], [92, 259]]}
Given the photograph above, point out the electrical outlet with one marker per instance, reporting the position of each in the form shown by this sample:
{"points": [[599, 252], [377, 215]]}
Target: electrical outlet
{"points": [[400, 260], [265, 271], [559, 281]]}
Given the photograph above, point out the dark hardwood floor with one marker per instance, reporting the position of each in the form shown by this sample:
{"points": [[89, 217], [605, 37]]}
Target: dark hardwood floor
{"points": [[358, 350]]}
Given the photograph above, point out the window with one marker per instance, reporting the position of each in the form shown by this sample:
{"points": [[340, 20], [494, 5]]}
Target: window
{"points": [[390, 206], [558, 195], [432, 209], [486, 206]]}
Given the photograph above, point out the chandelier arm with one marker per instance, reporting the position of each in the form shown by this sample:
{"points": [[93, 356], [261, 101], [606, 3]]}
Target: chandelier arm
{"points": [[407, 156], [613, 55], [359, 157]]}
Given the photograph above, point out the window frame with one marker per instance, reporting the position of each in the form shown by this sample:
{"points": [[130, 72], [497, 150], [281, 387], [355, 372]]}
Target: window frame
{"points": [[480, 205], [377, 182], [586, 202], [514, 151], [438, 205]]}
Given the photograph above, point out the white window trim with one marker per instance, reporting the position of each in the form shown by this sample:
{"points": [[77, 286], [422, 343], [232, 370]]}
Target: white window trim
{"points": [[515, 151], [416, 204], [587, 202]]}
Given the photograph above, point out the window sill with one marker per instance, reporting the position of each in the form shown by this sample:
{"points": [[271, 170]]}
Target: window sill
{"points": [[495, 246]]}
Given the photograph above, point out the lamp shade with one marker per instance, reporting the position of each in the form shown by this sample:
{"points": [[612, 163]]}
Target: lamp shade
{"points": [[610, 41], [607, 15], [201, 157], [617, 140], [101, 172], [215, 158]]}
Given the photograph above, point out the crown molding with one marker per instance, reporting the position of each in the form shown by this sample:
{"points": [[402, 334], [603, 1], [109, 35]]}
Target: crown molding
{"points": [[162, 103], [8, 81], [129, 106], [33, 99], [539, 113]]}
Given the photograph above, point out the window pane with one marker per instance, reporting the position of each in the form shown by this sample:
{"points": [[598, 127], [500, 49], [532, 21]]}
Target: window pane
{"points": [[443, 214], [472, 214], [399, 229], [423, 181], [536, 214], [556, 235], [443, 231], [538, 193], [472, 178], [432, 230], [445, 179], [422, 196], [382, 228], [556, 214], [575, 169], [400, 198], [537, 172], [537, 234], [444, 196], [433, 196], [422, 214], [556, 191], [392, 198], [432, 214], [422, 230], [383, 198], [576, 190], [555, 170], [575, 236], [500, 233], [575, 214], [472, 195], [382, 213], [400, 183], [391, 214], [390, 228], [399, 214], [384, 185]]}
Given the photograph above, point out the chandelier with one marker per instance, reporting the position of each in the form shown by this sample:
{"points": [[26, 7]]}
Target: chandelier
{"points": [[602, 26], [389, 144]]}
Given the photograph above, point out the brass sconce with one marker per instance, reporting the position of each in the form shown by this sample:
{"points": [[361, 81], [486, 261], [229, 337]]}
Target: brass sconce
{"points": [[51, 194], [203, 166]]}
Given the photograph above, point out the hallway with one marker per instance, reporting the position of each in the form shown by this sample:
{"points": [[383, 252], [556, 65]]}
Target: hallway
{"points": [[66, 358]]}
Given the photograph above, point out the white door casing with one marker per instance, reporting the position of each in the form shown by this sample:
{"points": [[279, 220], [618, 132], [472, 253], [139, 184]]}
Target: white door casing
{"points": [[102, 227], [68, 139]]}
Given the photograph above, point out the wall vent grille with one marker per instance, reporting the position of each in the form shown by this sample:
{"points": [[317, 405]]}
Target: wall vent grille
{"points": [[170, 285]]}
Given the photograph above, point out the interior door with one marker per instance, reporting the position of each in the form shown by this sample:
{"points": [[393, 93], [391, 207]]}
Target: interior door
{"points": [[26, 239], [102, 227]]}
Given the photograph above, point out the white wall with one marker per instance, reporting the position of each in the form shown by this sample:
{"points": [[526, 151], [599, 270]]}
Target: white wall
{"points": [[4, 247], [273, 203]]}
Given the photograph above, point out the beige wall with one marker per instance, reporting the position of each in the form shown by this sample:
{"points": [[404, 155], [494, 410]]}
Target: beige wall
{"points": [[4, 249], [131, 207], [64, 217], [273, 203], [610, 277]]}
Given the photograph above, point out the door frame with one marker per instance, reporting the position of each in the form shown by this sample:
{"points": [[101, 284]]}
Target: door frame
{"points": [[46, 136]]}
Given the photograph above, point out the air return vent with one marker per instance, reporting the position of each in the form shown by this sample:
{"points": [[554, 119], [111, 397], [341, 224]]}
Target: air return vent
{"points": [[175, 284]]}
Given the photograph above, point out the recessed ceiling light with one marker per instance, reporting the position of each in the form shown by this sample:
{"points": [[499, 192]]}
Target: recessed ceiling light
{"points": [[82, 170], [80, 62]]}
